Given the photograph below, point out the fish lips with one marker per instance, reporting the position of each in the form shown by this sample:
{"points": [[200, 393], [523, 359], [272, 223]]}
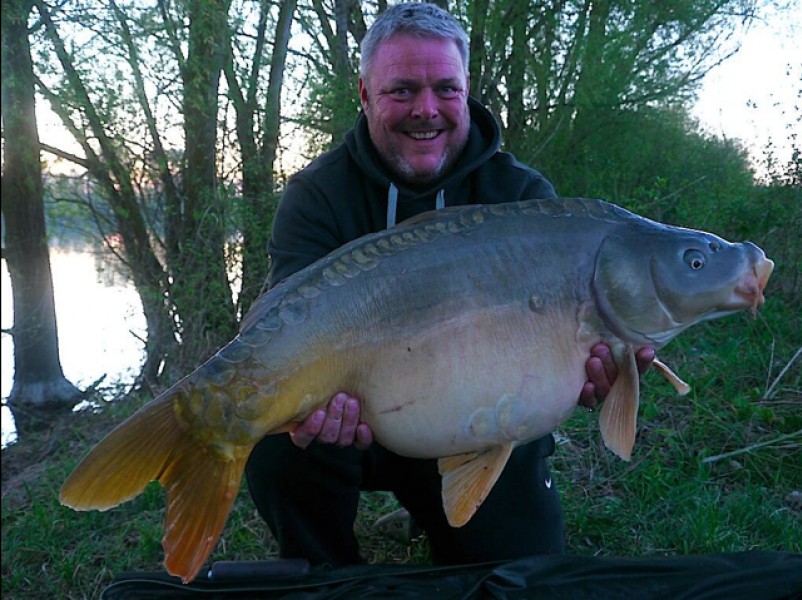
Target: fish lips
{"points": [[749, 291]]}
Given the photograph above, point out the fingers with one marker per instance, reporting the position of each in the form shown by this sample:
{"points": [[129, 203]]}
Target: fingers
{"points": [[587, 397], [338, 424], [644, 358], [606, 376], [602, 372], [341, 421], [307, 431], [364, 437]]}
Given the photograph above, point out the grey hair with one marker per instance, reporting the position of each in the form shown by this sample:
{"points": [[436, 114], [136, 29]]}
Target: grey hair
{"points": [[418, 19]]}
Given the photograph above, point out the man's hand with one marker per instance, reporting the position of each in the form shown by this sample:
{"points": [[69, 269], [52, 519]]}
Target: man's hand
{"points": [[602, 372], [338, 423]]}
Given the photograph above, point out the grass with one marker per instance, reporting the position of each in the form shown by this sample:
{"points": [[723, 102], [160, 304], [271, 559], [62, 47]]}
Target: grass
{"points": [[719, 470]]}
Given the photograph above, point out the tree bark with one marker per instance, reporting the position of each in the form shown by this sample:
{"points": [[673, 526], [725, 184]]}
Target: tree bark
{"points": [[39, 387], [258, 178], [201, 289]]}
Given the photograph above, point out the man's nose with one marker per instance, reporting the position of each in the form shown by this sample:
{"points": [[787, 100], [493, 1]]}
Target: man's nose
{"points": [[425, 106]]}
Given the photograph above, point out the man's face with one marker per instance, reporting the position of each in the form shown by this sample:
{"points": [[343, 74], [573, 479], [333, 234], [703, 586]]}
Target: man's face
{"points": [[415, 97]]}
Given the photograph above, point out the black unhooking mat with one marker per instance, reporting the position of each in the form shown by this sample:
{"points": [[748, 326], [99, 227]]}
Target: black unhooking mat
{"points": [[729, 576]]}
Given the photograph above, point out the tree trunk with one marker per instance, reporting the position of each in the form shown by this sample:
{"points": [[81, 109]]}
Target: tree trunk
{"points": [[592, 88], [478, 51], [201, 288], [258, 178], [39, 385], [516, 82]]}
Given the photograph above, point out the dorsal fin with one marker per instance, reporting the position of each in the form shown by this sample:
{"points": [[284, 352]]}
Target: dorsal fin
{"points": [[430, 215]]}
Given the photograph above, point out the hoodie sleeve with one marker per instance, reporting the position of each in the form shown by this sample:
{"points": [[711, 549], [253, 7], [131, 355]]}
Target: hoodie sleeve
{"points": [[538, 187], [504, 179], [304, 230]]}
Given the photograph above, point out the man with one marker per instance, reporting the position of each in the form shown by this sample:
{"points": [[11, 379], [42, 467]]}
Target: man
{"points": [[419, 144]]}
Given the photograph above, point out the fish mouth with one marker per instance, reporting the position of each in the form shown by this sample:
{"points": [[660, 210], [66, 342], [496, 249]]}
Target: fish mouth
{"points": [[750, 288]]}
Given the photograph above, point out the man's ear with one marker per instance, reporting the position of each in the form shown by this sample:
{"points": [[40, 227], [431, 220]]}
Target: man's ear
{"points": [[363, 93]]}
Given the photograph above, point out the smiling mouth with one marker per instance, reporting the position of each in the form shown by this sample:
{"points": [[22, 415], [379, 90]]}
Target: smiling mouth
{"points": [[424, 135]]}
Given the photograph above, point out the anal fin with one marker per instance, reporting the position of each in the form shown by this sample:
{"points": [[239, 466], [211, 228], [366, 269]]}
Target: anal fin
{"points": [[468, 479]]}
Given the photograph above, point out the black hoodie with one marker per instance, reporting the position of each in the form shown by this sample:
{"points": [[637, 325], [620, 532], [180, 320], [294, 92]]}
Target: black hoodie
{"points": [[344, 194]]}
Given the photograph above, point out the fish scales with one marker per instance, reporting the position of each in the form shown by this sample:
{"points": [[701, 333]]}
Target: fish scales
{"points": [[440, 310], [465, 332]]}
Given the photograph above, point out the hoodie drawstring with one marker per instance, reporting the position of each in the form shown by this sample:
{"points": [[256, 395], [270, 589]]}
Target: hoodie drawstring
{"points": [[392, 205]]}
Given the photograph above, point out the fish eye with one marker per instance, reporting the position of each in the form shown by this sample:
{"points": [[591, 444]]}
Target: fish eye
{"points": [[694, 259]]}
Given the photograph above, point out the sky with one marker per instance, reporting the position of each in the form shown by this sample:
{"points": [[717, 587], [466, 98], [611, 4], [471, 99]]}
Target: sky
{"points": [[755, 95]]}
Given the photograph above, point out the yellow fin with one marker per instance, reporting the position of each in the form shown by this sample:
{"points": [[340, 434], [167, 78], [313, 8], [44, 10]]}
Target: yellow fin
{"points": [[153, 445], [286, 428], [664, 370], [201, 489], [120, 466], [619, 415], [468, 479]]}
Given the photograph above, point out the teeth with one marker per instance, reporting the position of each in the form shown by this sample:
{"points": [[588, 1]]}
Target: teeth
{"points": [[423, 135]]}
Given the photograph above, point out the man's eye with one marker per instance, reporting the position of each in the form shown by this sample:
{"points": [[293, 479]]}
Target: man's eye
{"points": [[400, 92], [448, 92]]}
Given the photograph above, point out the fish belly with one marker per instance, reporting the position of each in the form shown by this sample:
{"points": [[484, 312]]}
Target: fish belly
{"points": [[472, 382]]}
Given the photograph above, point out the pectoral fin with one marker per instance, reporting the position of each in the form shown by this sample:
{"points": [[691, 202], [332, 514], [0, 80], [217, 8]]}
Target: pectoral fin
{"points": [[468, 479], [664, 370], [619, 415]]}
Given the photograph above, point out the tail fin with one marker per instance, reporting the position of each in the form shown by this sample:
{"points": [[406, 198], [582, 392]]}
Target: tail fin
{"points": [[153, 445]]}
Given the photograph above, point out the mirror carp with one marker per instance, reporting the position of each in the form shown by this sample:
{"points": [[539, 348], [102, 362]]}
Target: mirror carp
{"points": [[465, 333]]}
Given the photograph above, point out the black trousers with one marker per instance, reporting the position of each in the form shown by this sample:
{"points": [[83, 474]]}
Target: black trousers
{"points": [[309, 499]]}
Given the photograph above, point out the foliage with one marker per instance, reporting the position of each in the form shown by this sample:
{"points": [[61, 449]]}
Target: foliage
{"points": [[568, 68], [648, 158], [331, 111], [329, 63]]}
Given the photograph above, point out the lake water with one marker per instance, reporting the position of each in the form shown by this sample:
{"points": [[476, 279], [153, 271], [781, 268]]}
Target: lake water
{"points": [[100, 326]]}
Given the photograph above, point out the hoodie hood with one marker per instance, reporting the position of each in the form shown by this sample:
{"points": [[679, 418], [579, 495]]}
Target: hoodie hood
{"points": [[484, 140], [348, 192]]}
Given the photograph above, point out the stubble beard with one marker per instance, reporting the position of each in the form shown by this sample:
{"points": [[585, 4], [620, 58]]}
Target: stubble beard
{"points": [[395, 161], [400, 166]]}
